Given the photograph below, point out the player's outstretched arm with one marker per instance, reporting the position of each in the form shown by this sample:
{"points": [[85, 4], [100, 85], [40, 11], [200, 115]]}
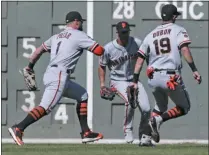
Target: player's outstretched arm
{"points": [[35, 56], [28, 72], [105, 92], [137, 70], [97, 49], [86, 42], [101, 74], [142, 52], [189, 59], [138, 65]]}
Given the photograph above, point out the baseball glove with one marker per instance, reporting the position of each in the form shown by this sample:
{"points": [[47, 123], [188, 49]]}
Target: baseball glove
{"points": [[172, 83], [150, 71], [29, 77], [107, 93], [132, 94]]}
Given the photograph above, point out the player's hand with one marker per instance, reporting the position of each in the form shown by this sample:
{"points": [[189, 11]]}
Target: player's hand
{"points": [[172, 83], [135, 85], [150, 72], [107, 93], [197, 77], [28, 68]]}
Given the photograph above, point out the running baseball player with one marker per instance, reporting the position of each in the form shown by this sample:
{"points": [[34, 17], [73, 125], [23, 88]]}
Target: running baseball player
{"points": [[161, 48], [65, 50], [120, 57]]}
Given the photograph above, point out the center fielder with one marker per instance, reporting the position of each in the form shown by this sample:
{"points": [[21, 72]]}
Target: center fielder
{"points": [[120, 57], [65, 50], [161, 48]]}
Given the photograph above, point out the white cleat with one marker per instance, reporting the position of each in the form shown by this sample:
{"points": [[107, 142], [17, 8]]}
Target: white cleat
{"points": [[129, 138], [146, 141]]}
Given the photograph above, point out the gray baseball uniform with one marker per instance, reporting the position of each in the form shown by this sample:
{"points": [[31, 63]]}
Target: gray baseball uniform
{"points": [[161, 47], [121, 61], [65, 50]]}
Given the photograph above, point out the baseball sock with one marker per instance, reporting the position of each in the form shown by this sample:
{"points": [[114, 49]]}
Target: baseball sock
{"points": [[172, 113], [144, 127], [34, 115], [82, 116]]}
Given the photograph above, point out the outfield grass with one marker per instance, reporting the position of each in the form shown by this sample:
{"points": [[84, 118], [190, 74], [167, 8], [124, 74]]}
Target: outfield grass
{"points": [[103, 149]]}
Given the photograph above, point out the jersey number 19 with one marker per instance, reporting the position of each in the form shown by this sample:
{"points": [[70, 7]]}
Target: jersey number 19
{"points": [[162, 46]]}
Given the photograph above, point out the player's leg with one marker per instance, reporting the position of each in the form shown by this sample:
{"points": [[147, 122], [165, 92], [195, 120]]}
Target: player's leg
{"points": [[78, 93], [161, 103], [52, 94], [121, 87], [75, 91], [181, 98], [144, 107]]}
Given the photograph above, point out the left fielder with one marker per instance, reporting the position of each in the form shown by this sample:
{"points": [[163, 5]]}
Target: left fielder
{"points": [[65, 50], [120, 57]]}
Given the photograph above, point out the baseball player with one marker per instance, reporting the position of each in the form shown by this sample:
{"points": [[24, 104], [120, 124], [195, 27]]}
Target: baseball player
{"points": [[65, 50], [120, 57], [161, 48]]}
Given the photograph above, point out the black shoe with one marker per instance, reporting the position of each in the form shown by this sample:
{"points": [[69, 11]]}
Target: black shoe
{"points": [[154, 124], [90, 136], [16, 134]]}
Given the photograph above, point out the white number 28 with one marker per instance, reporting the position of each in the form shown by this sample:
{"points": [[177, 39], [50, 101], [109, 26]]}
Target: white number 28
{"points": [[28, 46], [126, 8]]}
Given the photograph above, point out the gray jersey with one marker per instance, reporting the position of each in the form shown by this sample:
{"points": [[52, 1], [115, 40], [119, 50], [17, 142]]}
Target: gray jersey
{"points": [[120, 60], [162, 44], [67, 47]]}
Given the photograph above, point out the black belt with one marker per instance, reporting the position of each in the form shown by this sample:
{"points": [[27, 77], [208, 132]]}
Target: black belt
{"points": [[67, 71], [167, 71]]}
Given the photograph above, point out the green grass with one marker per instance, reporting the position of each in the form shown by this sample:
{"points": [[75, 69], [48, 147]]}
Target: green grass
{"points": [[103, 149]]}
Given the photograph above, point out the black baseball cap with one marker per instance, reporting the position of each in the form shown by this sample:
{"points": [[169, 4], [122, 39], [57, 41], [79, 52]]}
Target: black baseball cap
{"points": [[168, 11], [122, 27], [72, 16]]}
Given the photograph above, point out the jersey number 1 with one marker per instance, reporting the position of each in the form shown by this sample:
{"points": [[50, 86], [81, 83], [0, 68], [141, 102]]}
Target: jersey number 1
{"points": [[165, 46], [58, 46]]}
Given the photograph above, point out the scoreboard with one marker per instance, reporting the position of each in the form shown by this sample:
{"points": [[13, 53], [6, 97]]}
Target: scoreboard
{"points": [[25, 25]]}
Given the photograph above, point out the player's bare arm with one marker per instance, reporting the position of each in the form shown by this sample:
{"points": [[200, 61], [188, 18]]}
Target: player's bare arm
{"points": [[139, 62], [189, 59], [137, 70], [35, 57], [105, 92], [101, 74], [139, 65], [28, 72]]}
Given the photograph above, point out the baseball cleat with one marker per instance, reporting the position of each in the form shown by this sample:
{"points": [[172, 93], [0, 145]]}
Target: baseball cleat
{"points": [[146, 141], [16, 134], [90, 136], [150, 144], [155, 126], [129, 137]]}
